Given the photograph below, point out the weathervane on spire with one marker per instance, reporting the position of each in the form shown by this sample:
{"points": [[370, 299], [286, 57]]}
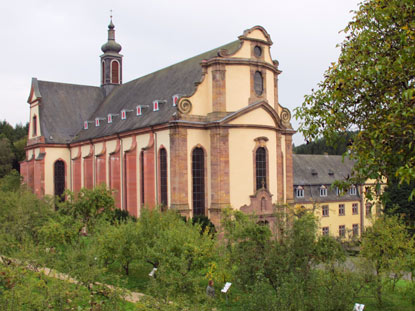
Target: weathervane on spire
{"points": [[111, 14]]}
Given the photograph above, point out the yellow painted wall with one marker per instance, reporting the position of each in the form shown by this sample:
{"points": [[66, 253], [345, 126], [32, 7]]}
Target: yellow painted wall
{"points": [[244, 51], [257, 34], [255, 117], [241, 158], [195, 137], [163, 139], [284, 164], [142, 141], [202, 98], [53, 154], [237, 87], [267, 55], [270, 87], [111, 146], [34, 110]]}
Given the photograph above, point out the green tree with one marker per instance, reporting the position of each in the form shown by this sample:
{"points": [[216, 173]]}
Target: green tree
{"points": [[396, 202], [6, 157], [120, 242], [320, 146], [279, 272], [386, 246], [180, 253], [371, 89], [89, 205]]}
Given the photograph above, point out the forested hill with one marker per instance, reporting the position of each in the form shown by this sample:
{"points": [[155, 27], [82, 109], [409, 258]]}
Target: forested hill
{"points": [[320, 146]]}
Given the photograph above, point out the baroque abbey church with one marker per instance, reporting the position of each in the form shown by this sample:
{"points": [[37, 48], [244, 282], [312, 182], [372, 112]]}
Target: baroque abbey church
{"points": [[198, 136]]}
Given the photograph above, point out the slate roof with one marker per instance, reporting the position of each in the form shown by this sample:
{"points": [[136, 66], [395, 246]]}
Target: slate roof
{"points": [[304, 164], [312, 171], [65, 107]]}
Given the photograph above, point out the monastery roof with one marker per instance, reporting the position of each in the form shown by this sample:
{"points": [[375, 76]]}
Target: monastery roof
{"points": [[313, 169], [65, 107]]}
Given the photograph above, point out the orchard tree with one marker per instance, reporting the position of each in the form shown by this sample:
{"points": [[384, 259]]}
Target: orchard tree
{"points": [[371, 89], [387, 248]]}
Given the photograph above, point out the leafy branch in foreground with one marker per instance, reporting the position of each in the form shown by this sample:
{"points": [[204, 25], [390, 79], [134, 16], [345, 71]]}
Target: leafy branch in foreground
{"points": [[371, 88]]}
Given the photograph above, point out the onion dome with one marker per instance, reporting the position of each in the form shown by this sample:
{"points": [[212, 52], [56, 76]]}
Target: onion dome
{"points": [[111, 45]]}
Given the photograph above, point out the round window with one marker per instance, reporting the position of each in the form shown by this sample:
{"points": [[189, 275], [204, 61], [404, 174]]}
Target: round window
{"points": [[258, 83], [257, 51]]}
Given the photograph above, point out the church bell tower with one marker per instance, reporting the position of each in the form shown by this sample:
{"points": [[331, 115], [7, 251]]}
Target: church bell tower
{"points": [[111, 62]]}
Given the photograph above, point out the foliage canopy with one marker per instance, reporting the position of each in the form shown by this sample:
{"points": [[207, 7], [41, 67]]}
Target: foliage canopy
{"points": [[371, 89]]}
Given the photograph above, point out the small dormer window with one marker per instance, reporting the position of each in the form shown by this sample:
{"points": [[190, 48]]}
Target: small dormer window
{"points": [[337, 191], [299, 192], [156, 105], [175, 100], [353, 190], [139, 111], [109, 118], [123, 115], [34, 126], [323, 191], [96, 121], [85, 125]]}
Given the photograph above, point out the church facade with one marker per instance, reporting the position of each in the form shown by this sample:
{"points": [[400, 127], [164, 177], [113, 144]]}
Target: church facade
{"points": [[198, 136]]}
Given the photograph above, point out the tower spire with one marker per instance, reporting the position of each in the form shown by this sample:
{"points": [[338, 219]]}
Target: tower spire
{"points": [[111, 60]]}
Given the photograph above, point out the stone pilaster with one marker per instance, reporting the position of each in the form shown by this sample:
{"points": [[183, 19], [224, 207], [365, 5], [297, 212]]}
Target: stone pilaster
{"points": [[218, 88], [178, 170], [220, 185], [280, 170], [289, 168]]}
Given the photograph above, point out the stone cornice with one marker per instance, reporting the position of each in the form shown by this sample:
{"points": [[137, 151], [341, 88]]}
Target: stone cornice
{"points": [[240, 61]]}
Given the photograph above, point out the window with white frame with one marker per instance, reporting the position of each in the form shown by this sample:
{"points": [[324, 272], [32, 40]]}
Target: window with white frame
{"points": [[342, 210], [299, 192], [353, 190], [355, 209], [325, 210], [323, 191], [342, 231]]}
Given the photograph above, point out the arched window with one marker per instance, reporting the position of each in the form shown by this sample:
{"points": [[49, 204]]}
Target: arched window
{"points": [[261, 168], [198, 178], [59, 178], [34, 126], [258, 83], [163, 176], [103, 73], [142, 176], [115, 66]]}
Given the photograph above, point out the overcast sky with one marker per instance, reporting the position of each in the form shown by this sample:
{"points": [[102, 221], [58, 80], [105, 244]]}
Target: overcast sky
{"points": [[60, 40]]}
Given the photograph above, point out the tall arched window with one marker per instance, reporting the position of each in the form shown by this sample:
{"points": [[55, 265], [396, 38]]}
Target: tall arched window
{"points": [[34, 126], [198, 177], [103, 73], [59, 178], [261, 168], [115, 66], [142, 176], [258, 83], [163, 176]]}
